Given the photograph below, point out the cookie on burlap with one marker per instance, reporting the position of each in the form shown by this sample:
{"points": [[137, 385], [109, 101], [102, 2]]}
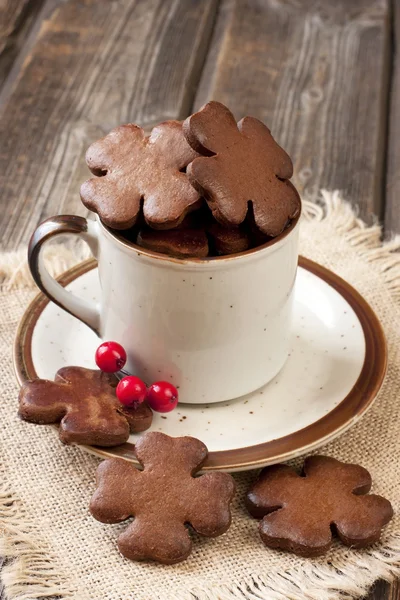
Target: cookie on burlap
{"points": [[299, 513], [241, 164], [132, 169], [84, 402], [163, 498]]}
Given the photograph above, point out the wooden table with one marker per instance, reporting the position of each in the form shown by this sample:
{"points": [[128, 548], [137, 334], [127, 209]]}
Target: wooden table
{"points": [[323, 74]]}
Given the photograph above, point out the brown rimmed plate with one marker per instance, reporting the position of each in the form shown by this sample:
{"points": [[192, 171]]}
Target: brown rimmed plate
{"points": [[335, 369]]}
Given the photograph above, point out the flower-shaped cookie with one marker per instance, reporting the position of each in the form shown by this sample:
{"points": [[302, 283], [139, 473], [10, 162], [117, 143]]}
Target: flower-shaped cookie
{"points": [[228, 241], [83, 401], [181, 243], [163, 498], [132, 168], [299, 513], [241, 164]]}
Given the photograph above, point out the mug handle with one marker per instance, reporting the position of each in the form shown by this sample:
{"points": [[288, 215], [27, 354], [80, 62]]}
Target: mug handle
{"points": [[49, 229]]}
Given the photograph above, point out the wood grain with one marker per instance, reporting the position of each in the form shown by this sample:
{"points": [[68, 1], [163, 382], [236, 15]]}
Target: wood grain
{"points": [[94, 65], [2, 593], [383, 590], [11, 12], [16, 19], [392, 209], [393, 592], [316, 72]]}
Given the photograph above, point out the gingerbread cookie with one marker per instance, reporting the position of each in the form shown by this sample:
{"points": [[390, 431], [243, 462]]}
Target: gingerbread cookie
{"points": [[299, 512], [240, 164], [83, 401], [256, 237], [228, 241], [180, 243], [163, 498], [197, 219], [132, 168]]}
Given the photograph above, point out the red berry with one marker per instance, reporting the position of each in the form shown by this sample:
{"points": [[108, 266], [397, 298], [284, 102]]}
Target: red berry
{"points": [[162, 396], [131, 390], [110, 357]]}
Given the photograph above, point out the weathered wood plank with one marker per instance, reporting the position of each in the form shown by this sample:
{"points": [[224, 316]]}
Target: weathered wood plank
{"points": [[380, 591], [21, 42], [384, 591], [316, 72], [11, 12], [94, 65], [2, 593], [394, 591], [16, 17], [392, 208]]}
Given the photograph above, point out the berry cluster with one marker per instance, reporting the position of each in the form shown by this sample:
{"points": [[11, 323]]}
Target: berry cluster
{"points": [[161, 396]]}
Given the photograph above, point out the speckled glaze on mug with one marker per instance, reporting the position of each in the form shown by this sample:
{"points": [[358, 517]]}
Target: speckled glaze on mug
{"points": [[218, 328]]}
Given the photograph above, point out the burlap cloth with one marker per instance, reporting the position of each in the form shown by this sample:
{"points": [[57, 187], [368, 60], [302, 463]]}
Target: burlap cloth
{"points": [[56, 549]]}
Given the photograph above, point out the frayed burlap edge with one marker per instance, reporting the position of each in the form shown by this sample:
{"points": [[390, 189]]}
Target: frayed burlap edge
{"points": [[30, 572], [314, 581], [366, 240], [14, 270]]}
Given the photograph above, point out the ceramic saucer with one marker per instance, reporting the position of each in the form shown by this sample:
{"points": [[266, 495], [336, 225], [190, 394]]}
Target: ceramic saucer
{"points": [[335, 368]]}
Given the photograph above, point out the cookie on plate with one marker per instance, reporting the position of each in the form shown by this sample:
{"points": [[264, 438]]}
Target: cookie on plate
{"points": [[84, 402]]}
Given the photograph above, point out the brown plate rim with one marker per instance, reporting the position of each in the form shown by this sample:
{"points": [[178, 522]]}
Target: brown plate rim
{"points": [[352, 407]]}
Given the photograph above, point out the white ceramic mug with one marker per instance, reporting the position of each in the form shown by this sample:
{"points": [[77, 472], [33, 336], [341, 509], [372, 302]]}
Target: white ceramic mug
{"points": [[217, 327]]}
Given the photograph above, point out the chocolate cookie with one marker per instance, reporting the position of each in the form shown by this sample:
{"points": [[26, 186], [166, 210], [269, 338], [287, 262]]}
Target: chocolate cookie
{"points": [[83, 401], [240, 164], [132, 168], [163, 498], [228, 241], [299, 512], [180, 243]]}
